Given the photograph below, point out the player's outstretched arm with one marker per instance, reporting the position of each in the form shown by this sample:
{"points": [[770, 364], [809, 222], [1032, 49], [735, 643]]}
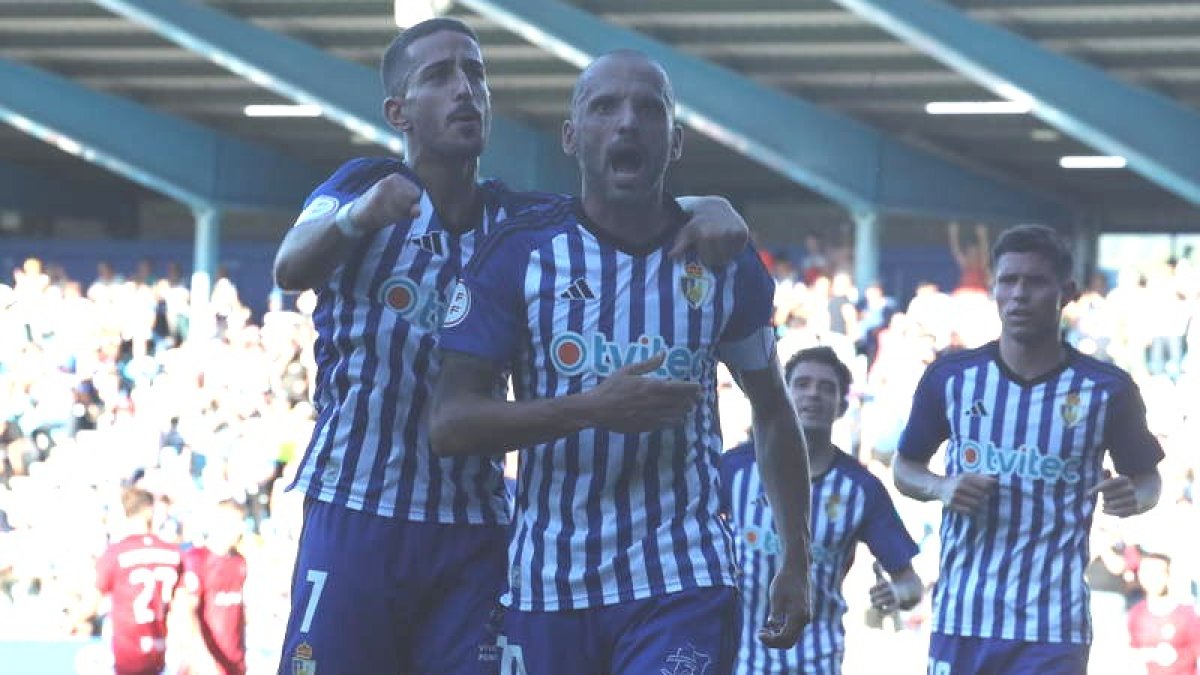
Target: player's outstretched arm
{"points": [[318, 241], [782, 458], [715, 231], [467, 418]]}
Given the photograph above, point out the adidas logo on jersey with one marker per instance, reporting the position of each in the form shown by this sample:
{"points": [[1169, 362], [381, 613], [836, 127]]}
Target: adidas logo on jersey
{"points": [[978, 410], [578, 290], [434, 242]]}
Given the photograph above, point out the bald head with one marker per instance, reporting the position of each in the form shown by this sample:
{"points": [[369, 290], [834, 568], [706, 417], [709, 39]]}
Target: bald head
{"points": [[615, 62]]}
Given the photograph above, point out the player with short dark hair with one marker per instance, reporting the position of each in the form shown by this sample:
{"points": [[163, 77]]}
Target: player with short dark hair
{"points": [[401, 555], [1029, 420], [849, 505], [620, 561]]}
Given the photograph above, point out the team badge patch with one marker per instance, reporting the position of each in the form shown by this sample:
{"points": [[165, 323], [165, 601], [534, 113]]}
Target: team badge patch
{"points": [[460, 305], [320, 206], [696, 284], [1071, 410], [302, 660], [833, 507]]}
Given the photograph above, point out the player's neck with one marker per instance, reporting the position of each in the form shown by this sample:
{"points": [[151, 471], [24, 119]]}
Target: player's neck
{"points": [[1031, 360], [452, 187], [632, 222], [821, 451]]}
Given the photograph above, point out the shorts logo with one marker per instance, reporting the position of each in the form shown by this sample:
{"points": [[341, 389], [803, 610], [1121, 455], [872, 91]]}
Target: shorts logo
{"points": [[419, 306], [459, 306], [302, 660], [1071, 410], [686, 661], [1026, 461], [573, 353], [696, 284]]}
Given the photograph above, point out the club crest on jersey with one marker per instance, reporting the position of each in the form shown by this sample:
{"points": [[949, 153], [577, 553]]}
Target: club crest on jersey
{"points": [[696, 284], [686, 661], [1071, 410], [834, 507], [459, 306], [302, 660]]}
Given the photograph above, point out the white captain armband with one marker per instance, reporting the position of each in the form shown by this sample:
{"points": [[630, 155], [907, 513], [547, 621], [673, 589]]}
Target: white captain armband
{"points": [[753, 352], [318, 208]]}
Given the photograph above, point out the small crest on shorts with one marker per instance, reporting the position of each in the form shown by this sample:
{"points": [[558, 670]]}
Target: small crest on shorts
{"points": [[302, 660], [686, 661], [1071, 410], [696, 284]]}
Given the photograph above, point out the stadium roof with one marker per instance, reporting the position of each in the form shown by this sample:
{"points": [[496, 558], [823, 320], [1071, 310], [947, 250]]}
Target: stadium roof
{"points": [[815, 50]]}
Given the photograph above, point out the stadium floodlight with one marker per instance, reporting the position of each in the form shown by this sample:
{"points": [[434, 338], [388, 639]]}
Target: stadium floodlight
{"points": [[1092, 162], [411, 12], [978, 107], [283, 110]]}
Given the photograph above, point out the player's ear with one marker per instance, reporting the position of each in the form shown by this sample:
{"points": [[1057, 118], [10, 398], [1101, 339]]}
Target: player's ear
{"points": [[1070, 292], [395, 114], [676, 142], [569, 143], [843, 406]]}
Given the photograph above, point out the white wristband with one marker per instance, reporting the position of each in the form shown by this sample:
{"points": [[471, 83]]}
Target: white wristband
{"points": [[345, 224]]}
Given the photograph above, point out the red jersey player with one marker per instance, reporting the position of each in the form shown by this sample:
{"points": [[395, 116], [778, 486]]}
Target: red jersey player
{"points": [[140, 573], [1164, 632], [212, 614]]}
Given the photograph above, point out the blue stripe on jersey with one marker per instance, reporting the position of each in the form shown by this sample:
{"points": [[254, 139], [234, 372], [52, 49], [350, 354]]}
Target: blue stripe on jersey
{"points": [[376, 322], [1016, 571], [849, 505], [617, 517]]}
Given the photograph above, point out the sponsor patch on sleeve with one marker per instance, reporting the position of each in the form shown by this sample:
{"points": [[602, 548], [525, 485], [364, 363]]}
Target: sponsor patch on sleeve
{"points": [[319, 207], [459, 305]]}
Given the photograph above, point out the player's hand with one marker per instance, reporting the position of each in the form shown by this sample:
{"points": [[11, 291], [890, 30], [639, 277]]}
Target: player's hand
{"points": [[715, 231], [883, 594], [791, 605], [630, 402], [968, 493], [1118, 493], [393, 198]]}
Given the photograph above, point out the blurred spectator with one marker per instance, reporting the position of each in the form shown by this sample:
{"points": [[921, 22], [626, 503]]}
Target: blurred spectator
{"points": [[1164, 632], [973, 260]]}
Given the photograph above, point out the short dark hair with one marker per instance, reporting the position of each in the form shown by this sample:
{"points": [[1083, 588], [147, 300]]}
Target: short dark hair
{"points": [[395, 64], [1038, 239], [824, 355]]}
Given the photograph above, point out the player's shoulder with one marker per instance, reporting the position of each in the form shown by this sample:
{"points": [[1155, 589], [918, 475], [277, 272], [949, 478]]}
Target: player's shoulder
{"points": [[1103, 373], [954, 362], [359, 174], [857, 473], [525, 228], [516, 201]]}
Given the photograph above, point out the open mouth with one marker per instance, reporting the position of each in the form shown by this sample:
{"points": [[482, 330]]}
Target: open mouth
{"points": [[626, 161]]}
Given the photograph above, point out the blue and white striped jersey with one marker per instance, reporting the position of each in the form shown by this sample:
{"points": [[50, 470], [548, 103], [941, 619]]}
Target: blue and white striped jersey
{"points": [[604, 517], [376, 322], [849, 505], [1015, 571]]}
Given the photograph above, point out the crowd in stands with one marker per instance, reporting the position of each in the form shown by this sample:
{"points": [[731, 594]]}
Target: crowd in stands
{"points": [[117, 383]]}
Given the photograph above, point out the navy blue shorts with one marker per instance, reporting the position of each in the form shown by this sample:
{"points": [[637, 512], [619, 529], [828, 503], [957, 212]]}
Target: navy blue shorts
{"points": [[958, 655], [692, 631], [379, 595]]}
